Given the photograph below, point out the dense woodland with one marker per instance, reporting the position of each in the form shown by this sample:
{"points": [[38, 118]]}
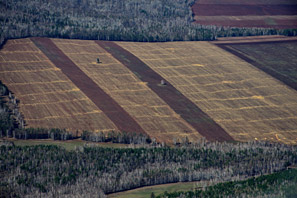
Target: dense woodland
{"points": [[7, 108], [128, 20], [94, 171]]}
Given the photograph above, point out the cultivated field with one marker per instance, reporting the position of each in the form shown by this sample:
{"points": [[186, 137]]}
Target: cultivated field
{"points": [[155, 117], [275, 58], [48, 98], [246, 102], [209, 92], [264, 13]]}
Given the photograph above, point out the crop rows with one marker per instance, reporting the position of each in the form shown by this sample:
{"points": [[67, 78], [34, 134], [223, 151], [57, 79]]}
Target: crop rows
{"points": [[48, 98], [246, 102]]}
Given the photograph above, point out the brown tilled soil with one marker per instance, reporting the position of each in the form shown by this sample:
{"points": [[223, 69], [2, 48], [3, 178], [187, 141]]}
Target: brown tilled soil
{"points": [[242, 10], [270, 57], [278, 23], [278, 10], [104, 102], [176, 100]]}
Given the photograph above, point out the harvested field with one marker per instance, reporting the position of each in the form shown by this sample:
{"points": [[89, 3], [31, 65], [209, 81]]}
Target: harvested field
{"points": [[253, 39], [246, 102], [48, 98], [152, 113], [209, 91], [267, 14], [120, 118], [176, 100], [275, 58], [243, 10]]}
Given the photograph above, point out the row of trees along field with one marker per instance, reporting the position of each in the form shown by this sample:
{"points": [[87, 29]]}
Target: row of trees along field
{"points": [[12, 125], [127, 20], [89, 171], [10, 116], [277, 185]]}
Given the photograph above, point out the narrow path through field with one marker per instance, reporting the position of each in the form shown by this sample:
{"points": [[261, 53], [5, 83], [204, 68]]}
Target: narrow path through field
{"points": [[104, 102], [175, 99]]}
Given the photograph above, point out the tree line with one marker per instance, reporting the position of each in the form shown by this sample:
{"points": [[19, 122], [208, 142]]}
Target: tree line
{"points": [[51, 171], [129, 20], [117, 137], [12, 125]]}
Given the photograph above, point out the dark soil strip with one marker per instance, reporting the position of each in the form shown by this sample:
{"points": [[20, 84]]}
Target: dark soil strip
{"points": [[241, 10], [280, 23], [176, 100], [285, 79], [104, 102]]}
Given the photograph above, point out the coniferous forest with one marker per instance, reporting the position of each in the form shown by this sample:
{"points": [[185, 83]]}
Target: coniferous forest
{"points": [[121, 20]]}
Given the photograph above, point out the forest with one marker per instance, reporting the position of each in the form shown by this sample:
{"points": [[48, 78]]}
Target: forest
{"points": [[281, 184], [129, 20], [52, 171]]}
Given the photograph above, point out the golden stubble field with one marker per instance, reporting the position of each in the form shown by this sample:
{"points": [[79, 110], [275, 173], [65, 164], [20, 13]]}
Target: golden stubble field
{"points": [[48, 98], [246, 102], [133, 95]]}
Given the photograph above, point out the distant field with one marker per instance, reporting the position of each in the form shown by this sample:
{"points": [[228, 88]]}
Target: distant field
{"points": [[265, 13], [68, 145], [145, 192]]}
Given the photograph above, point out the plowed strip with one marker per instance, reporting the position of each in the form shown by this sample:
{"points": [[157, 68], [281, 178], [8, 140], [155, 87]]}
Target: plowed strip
{"points": [[175, 99], [117, 114], [284, 73], [241, 10]]}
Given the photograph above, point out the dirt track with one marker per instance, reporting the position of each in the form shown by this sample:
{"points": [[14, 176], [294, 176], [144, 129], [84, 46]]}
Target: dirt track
{"points": [[104, 102], [176, 100]]}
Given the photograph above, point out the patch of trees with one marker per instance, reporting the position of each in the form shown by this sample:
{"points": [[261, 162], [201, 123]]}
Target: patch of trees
{"points": [[116, 137], [10, 116], [51, 171], [129, 20], [281, 184]]}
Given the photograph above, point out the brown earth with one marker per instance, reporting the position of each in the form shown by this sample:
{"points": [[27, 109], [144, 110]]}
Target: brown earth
{"points": [[242, 10], [154, 116], [104, 102], [269, 56], [263, 22], [48, 99], [245, 101], [254, 39], [249, 2], [175, 99], [246, 14]]}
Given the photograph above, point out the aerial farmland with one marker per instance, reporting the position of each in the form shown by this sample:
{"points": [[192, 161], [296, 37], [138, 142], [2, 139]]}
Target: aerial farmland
{"points": [[209, 92], [138, 98], [277, 14]]}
